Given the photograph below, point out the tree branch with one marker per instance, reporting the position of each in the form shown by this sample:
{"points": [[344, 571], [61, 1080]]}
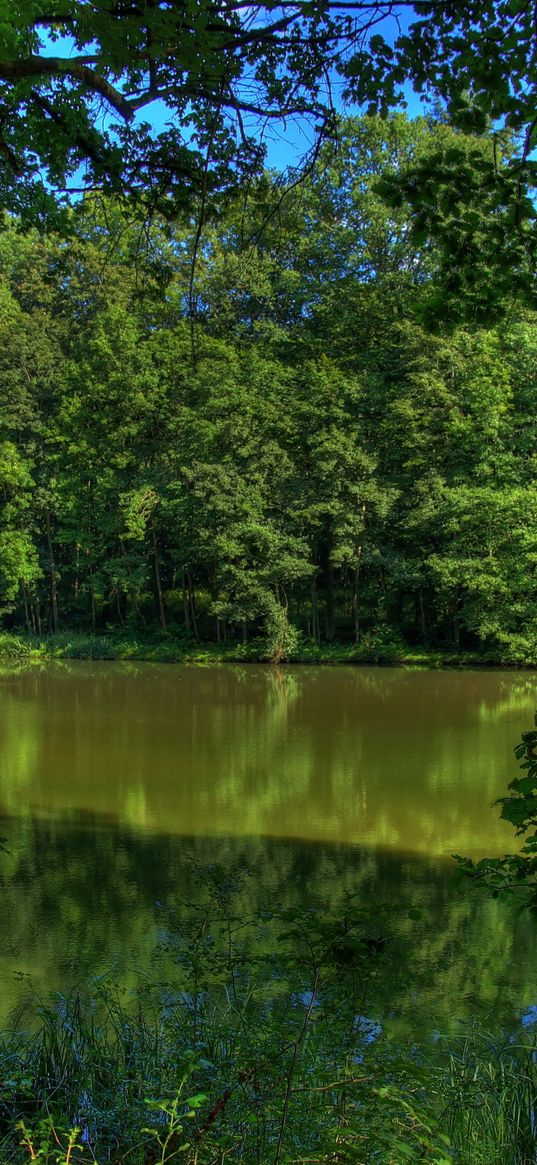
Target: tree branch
{"points": [[80, 140], [11, 157], [34, 66], [193, 93]]}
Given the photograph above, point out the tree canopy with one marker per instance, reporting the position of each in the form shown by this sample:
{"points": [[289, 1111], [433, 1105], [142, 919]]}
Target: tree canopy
{"points": [[277, 447], [169, 104]]}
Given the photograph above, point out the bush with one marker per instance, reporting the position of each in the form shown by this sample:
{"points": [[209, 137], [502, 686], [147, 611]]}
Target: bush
{"points": [[12, 647], [281, 638], [381, 645]]}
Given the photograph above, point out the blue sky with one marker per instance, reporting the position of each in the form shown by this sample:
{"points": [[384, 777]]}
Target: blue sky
{"points": [[288, 143]]}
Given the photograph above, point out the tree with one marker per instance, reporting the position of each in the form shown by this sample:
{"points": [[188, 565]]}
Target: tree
{"points": [[217, 69], [230, 485], [301, 453], [339, 496], [305, 253], [19, 565], [75, 78]]}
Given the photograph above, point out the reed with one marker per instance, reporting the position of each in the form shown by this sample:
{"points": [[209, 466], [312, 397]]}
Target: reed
{"points": [[168, 1078], [488, 1098]]}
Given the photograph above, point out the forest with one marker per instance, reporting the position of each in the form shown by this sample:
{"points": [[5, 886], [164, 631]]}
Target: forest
{"points": [[256, 434], [268, 378]]}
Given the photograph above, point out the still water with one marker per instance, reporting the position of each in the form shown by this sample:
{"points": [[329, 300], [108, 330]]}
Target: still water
{"points": [[120, 785]]}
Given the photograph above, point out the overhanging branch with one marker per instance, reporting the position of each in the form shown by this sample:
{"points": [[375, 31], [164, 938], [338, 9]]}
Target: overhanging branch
{"points": [[34, 66]]}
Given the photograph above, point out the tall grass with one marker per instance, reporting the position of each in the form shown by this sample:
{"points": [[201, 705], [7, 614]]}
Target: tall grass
{"points": [[488, 1098], [261, 1047], [177, 1079], [14, 647]]}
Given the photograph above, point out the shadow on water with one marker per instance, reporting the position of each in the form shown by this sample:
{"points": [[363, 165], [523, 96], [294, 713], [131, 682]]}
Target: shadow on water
{"points": [[80, 898], [124, 789]]}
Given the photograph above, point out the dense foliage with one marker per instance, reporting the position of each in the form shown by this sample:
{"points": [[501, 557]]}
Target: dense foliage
{"points": [[266, 442], [162, 104]]}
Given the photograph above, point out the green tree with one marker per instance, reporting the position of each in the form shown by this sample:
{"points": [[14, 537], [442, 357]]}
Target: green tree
{"points": [[223, 78], [298, 455], [230, 490], [19, 565]]}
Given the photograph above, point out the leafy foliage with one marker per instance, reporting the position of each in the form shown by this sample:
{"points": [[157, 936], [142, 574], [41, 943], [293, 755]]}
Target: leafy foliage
{"points": [[516, 873], [299, 459], [76, 83]]}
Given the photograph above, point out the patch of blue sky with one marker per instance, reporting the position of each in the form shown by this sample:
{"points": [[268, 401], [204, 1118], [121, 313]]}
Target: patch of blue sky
{"points": [[529, 1016], [288, 142]]}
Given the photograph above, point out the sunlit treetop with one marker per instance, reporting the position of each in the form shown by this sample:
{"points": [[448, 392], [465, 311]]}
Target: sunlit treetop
{"points": [[168, 102]]}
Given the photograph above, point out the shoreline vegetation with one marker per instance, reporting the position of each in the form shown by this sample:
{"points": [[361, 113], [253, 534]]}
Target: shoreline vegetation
{"points": [[197, 1069], [176, 647], [262, 1046], [98, 1083]]}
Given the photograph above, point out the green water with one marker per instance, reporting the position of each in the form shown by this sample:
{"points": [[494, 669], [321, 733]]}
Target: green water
{"points": [[121, 785]]}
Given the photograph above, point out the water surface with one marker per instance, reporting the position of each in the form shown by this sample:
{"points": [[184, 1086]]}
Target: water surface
{"points": [[121, 784]]}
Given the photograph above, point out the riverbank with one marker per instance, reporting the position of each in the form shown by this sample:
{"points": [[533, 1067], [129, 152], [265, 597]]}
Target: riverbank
{"points": [[149, 1079], [99, 1082], [173, 647]]}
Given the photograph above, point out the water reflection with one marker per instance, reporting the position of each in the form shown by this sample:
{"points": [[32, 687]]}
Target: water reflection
{"points": [[81, 900], [120, 785], [409, 761]]}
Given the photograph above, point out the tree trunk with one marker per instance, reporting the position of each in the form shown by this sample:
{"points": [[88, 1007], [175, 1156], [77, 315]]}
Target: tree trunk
{"points": [[160, 598], [355, 615], [328, 585], [53, 575], [185, 602], [456, 627], [355, 612], [315, 614], [192, 605], [421, 609], [456, 632], [32, 616], [92, 601], [25, 605], [118, 607], [329, 598]]}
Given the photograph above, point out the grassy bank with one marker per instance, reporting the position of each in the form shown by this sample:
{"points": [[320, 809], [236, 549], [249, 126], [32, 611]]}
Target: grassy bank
{"points": [[98, 1084], [173, 647]]}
